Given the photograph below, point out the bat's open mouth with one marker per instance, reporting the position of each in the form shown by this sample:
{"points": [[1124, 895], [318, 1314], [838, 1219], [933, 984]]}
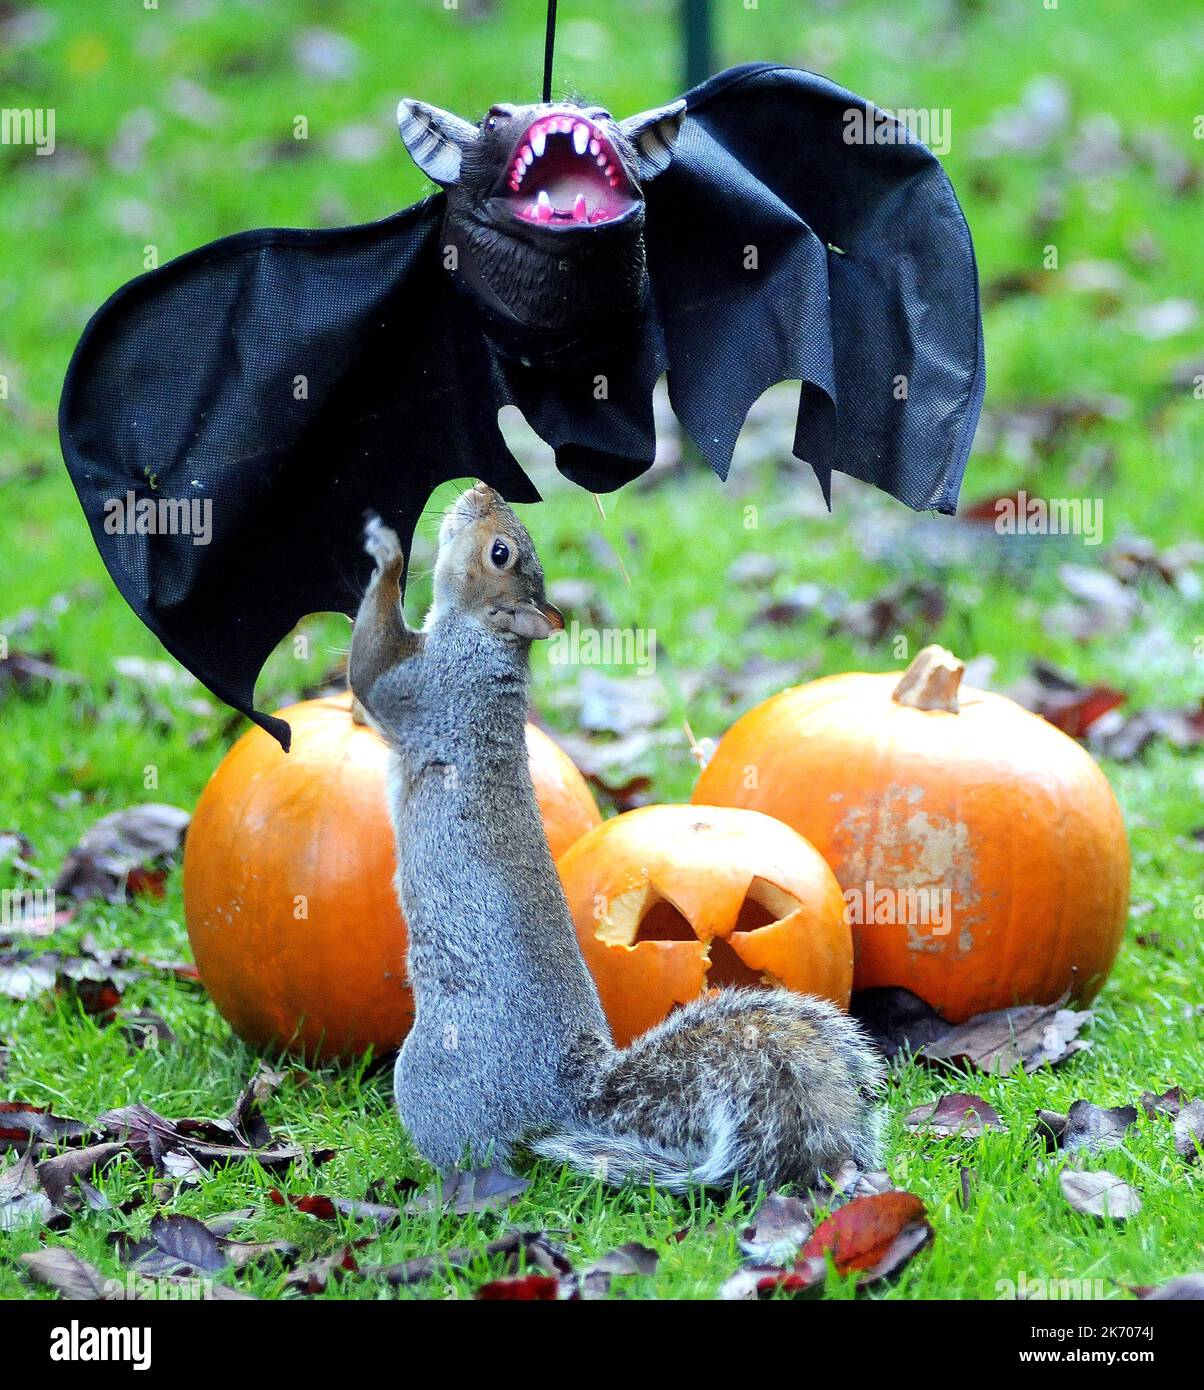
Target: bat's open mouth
{"points": [[565, 173]]}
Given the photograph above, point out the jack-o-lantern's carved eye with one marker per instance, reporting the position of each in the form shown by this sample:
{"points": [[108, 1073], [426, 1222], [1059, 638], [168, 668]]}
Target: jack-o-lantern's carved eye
{"points": [[644, 914]]}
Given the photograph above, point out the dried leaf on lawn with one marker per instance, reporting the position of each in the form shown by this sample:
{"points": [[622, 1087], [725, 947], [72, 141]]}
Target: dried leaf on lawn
{"points": [[874, 1236], [25, 976], [74, 1278], [135, 841], [517, 1248], [22, 1124], [631, 1258], [23, 1201], [325, 1208], [778, 1229], [959, 1114], [1028, 1035], [144, 1028], [468, 1190], [313, 1276], [1086, 1127], [65, 1271], [59, 1175], [1063, 701], [1170, 1102], [1100, 1194], [154, 1140], [178, 1244], [1187, 1287], [525, 1288], [22, 670], [1189, 1131]]}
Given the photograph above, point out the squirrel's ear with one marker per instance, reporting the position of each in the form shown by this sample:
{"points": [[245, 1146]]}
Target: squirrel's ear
{"points": [[435, 139], [532, 620], [654, 133]]}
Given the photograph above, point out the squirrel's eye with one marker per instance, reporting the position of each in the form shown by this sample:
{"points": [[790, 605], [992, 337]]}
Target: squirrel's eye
{"points": [[500, 554]]}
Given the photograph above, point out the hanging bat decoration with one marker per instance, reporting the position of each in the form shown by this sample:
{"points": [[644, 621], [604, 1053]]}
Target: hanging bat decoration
{"points": [[290, 380]]}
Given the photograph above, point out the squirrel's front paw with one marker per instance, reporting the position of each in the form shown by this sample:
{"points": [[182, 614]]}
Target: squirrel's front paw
{"points": [[380, 541]]}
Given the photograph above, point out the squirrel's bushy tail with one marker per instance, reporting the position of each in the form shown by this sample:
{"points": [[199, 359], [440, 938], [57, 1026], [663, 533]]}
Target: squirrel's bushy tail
{"points": [[621, 1158], [759, 1084]]}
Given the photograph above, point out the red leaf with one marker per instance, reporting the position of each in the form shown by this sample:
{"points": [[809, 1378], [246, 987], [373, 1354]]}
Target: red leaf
{"points": [[1075, 715], [321, 1207], [525, 1288], [874, 1235], [146, 883]]}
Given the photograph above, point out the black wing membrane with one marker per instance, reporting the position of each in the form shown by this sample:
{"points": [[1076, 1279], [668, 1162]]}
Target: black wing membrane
{"points": [[779, 250], [292, 380]]}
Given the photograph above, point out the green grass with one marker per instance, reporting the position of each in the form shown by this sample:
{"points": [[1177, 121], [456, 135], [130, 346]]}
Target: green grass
{"points": [[75, 226]]}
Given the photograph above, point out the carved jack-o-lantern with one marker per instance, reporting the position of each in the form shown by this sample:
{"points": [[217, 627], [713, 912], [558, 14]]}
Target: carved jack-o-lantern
{"points": [[670, 901]]}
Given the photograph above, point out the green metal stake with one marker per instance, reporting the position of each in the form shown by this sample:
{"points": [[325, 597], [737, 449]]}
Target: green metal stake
{"points": [[698, 22]]}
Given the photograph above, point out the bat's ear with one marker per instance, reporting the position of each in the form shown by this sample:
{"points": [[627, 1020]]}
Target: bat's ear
{"points": [[435, 139], [654, 133]]}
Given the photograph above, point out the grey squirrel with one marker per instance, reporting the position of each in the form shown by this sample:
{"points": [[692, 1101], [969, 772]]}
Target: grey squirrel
{"points": [[510, 1045]]}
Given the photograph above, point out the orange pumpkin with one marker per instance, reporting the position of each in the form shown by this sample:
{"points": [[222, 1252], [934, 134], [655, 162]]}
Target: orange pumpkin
{"points": [[288, 882], [982, 853], [669, 901]]}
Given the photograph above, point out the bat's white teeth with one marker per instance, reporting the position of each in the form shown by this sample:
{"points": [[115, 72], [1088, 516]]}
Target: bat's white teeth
{"points": [[564, 193]]}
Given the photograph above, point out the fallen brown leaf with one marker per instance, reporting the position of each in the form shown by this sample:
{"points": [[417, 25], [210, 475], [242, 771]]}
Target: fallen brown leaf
{"points": [[64, 1271], [1170, 1102], [958, 1114], [134, 842], [873, 1236], [1028, 1035], [1101, 1194], [1189, 1131], [1185, 1287], [59, 1175], [469, 1190], [778, 1229], [23, 1124], [629, 1259], [1086, 1127]]}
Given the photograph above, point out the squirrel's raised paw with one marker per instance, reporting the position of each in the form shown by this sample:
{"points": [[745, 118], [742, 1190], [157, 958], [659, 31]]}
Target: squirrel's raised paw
{"points": [[380, 541]]}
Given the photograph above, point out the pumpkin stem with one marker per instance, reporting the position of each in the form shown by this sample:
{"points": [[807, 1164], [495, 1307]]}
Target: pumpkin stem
{"points": [[931, 681]]}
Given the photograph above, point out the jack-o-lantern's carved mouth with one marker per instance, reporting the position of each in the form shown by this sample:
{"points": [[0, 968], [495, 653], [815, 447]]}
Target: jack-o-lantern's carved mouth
{"points": [[646, 914]]}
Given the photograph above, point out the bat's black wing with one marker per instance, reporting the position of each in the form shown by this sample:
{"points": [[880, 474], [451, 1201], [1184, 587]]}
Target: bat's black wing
{"points": [[782, 246], [249, 402]]}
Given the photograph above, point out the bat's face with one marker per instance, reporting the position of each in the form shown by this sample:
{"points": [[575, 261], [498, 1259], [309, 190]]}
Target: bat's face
{"points": [[545, 204]]}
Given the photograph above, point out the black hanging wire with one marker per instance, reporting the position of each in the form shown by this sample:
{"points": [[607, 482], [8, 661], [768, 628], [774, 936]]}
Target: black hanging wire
{"points": [[549, 51]]}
